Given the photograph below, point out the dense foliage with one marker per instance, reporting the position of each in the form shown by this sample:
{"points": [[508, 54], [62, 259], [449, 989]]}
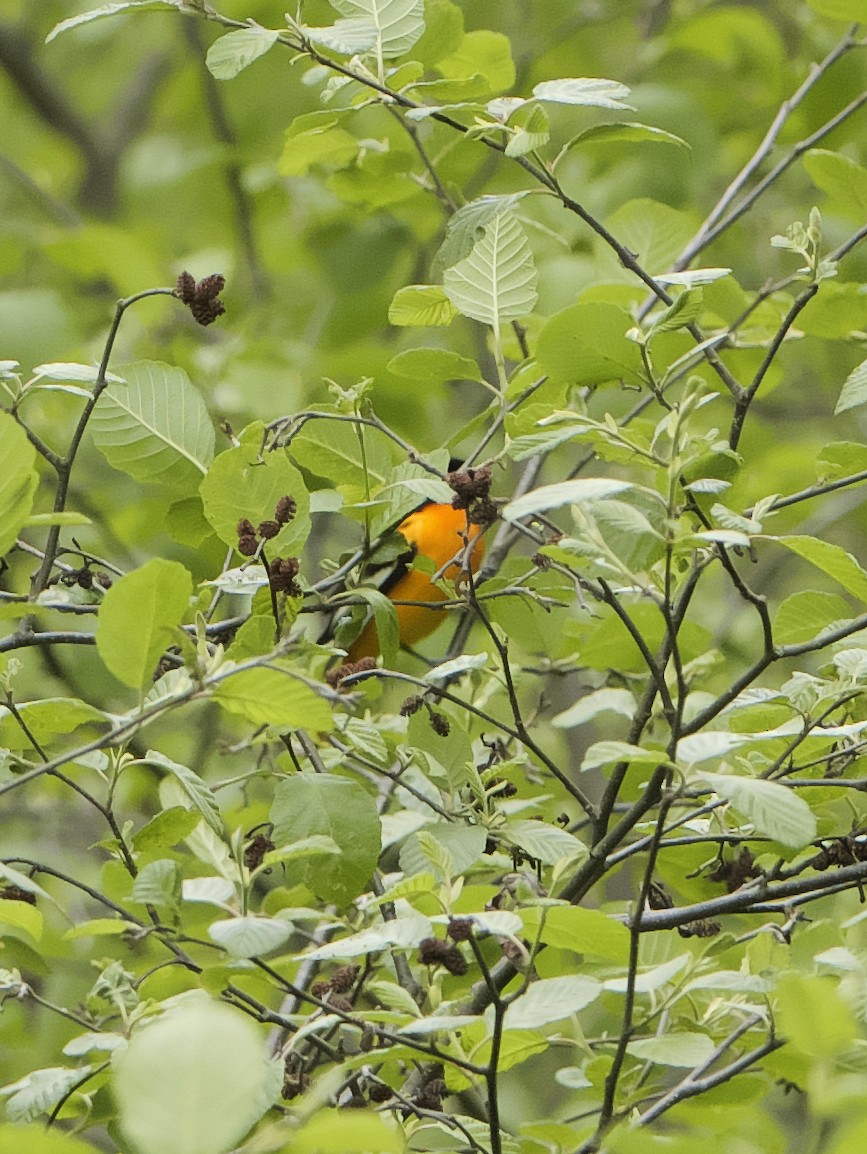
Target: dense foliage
{"points": [[584, 871]]}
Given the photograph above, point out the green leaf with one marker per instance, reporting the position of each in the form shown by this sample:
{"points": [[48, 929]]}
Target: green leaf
{"points": [[306, 805], [463, 846], [158, 884], [592, 91], [247, 937], [107, 10], [592, 704], [197, 790], [774, 810], [686, 1049], [313, 846], [38, 1140], [156, 427], [43, 520], [840, 459], [603, 753], [385, 619], [39, 1092], [838, 9], [334, 1131], [854, 391], [467, 226], [101, 928], [562, 493], [531, 126], [833, 560], [73, 371], [625, 133], [47, 719], [20, 916], [232, 53], [550, 1000], [431, 366], [584, 931], [314, 139], [401, 934], [443, 32], [421, 305], [812, 1015], [334, 448], [497, 281], [199, 1073], [166, 828], [684, 310], [349, 37], [586, 344], [273, 697], [546, 843], [241, 484], [482, 53], [398, 23], [18, 480], [655, 232], [804, 615], [138, 619]]}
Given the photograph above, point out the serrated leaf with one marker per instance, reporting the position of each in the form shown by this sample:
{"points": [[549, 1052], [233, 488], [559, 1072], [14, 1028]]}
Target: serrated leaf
{"points": [[199, 1073], [235, 51], [268, 696], [385, 619], [854, 392], [430, 366], [155, 427], [240, 483], [348, 37], [563, 493], [592, 91], [314, 846], [313, 139], [139, 617], [609, 700], [654, 978], [546, 843], [101, 928], [40, 1091], [107, 10], [306, 805], [612, 752], [18, 480], [586, 344], [446, 670], [838, 175], [195, 789], [804, 615], [400, 934], [398, 23], [158, 884], [421, 305], [72, 371], [551, 1000], [686, 1049], [584, 931], [449, 847], [832, 560], [692, 278], [247, 937], [774, 810], [625, 133], [497, 281]]}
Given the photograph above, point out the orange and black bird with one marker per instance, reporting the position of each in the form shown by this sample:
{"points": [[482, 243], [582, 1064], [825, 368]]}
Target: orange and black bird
{"points": [[437, 531]]}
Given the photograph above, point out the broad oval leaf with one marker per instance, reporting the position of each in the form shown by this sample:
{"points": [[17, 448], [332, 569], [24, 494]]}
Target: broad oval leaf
{"points": [[497, 281], [18, 480], [551, 1000], [774, 810], [236, 50], [398, 24], [156, 427], [247, 937], [588, 90], [139, 617], [241, 483], [563, 493], [199, 1073]]}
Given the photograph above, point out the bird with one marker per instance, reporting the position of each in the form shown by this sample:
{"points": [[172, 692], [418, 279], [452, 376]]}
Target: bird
{"points": [[434, 530]]}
